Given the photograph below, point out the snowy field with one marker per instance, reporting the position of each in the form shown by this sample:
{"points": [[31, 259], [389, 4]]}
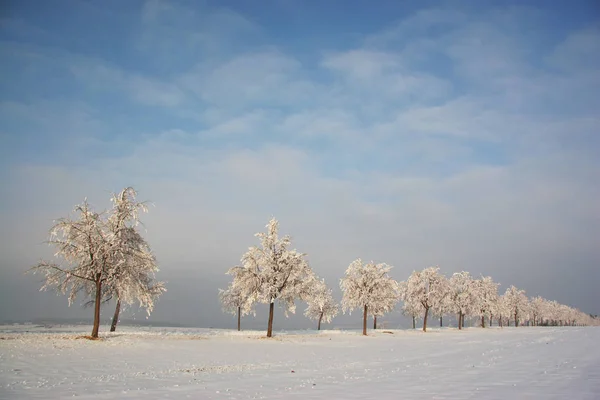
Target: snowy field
{"points": [[148, 363]]}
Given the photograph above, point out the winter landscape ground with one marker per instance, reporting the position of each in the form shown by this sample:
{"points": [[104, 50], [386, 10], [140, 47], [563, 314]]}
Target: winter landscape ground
{"points": [[50, 362]]}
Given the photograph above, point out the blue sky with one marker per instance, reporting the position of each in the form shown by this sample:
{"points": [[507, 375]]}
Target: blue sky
{"points": [[463, 134]]}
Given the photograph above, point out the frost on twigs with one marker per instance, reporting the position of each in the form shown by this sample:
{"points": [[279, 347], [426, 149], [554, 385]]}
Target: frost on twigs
{"points": [[102, 256], [515, 304], [486, 295], [272, 272], [462, 297], [368, 287], [424, 290], [321, 306]]}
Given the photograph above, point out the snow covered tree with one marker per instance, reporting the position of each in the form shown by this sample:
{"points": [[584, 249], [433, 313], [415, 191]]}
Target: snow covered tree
{"points": [[462, 295], [234, 302], [101, 258], [443, 306], [503, 311], [427, 288], [321, 305], [486, 296], [82, 245], [368, 286], [409, 308], [516, 301], [382, 305], [133, 264], [539, 310], [273, 272]]}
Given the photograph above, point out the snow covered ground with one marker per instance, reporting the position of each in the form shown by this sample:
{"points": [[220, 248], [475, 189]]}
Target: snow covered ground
{"points": [[148, 363]]}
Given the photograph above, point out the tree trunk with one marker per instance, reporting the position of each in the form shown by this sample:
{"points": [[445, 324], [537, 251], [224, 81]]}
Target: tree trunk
{"points": [[500, 322], [365, 321], [463, 320], [483, 321], [98, 300], [115, 320], [414, 323], [516, 320], [491, 319], [425, 319], [319, 325], [270, 327], [374, 321], [441, 325], [460, 320], [239, 318]]}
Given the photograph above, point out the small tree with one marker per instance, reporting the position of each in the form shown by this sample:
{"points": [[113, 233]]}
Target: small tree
{"points": [[368, 286], [81, 243], [234, 302], [321, 305], [462, 296], [443, 306], [486, 295], [426, 287], [273, 272], [503, 311], [411, 307], [134, 265], [382, 305], [539, 307], [516, 302]]}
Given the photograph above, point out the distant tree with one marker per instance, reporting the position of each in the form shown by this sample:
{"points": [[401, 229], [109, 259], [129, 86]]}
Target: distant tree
{"points": [[234, 302], [443, 306], [503, 311], [410, 307], [100, 260], [321, 305], [426, 287], [273, 272], [368, 286], [462, 295], [486, 297], [516, 301]]}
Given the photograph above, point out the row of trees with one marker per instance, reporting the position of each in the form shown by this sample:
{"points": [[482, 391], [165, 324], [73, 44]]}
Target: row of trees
{"points": [[273, 272], [429, 291], [103, 256]]}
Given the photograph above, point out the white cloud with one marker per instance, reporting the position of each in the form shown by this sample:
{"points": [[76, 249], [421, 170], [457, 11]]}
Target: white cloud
{"points": [[362, 64], [486, 161], [265, 78], [176, 36], [141, 89], [579, 51]]}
